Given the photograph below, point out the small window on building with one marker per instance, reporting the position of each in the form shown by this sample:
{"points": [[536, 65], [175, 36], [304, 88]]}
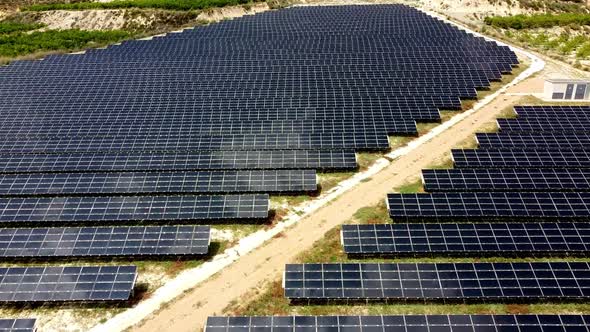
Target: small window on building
{"points": [[580, 91], [569, 91], [557, 95]]}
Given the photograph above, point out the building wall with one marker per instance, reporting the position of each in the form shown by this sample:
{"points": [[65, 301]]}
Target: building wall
{"points": [[566, 90]]}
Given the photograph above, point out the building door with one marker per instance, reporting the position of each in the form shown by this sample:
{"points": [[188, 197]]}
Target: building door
{"points": [[580, 91], [569, 91]]}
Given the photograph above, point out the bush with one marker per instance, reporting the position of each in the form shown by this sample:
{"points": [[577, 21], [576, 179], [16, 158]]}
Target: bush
{"points": [[10, 27], [52, 40], [122, 4], [584, 50], [537, 21]]}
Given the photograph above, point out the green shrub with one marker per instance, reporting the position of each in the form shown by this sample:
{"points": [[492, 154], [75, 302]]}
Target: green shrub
{"points": [[122, 4], [572, 44], [10, 27], [584, 50], [537, 21], [21, 43]]}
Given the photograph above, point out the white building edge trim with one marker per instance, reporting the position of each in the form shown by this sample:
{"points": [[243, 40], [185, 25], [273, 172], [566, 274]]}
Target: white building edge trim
{"points": [[191, 278]]}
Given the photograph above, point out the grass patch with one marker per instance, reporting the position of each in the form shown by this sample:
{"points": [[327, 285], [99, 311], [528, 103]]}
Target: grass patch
{"points": [[124, 4], [22, 43], [365, 160], [410, 187], [328, 181], [396, 142], [372, 214]]}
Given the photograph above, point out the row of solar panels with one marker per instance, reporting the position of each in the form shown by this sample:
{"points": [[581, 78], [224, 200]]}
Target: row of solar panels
{"points": [[409, 323], [391, 126], [438, 281], [467, 239]]}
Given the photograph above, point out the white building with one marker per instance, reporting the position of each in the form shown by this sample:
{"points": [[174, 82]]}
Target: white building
{"points": [[566, 89]]}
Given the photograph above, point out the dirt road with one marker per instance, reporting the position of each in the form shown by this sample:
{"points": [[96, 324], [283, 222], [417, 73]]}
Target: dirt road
{"points": [[189, 312]]}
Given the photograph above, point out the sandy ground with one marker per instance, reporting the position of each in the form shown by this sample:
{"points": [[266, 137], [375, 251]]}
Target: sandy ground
{"points": [[116, 19], [267, 263]]}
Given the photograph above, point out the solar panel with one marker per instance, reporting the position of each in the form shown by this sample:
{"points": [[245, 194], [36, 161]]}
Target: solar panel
{"points": [[542, 141], [320, 141], [392, 126], [521, 179], [562, 124], [137, 208], [410, 323], [136, 241], [490, 206], [525, 282], [214, 160], [282, 181], [473, 239], [67, 283], [546, 111], [18, 325], [562, 158]]}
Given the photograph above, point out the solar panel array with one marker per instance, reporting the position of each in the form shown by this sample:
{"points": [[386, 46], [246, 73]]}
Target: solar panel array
{"points": [[136, 241], [438, 281], [413, 323], [18, 325], [508, 179], [279, 181], [533, 170], [474, 239], [490, 205], [69, 283], [202, 125]]}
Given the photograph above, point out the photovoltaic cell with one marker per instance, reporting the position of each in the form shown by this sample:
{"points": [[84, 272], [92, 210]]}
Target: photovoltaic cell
{"points": [[413, 323], [136, 208], [490, 206], [67, 284], [214, 160], [524, 282], [477, 239], [266, 181], [520, 179], [136, 241]]}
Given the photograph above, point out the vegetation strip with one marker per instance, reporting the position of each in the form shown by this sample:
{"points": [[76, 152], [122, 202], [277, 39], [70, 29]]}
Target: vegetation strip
{"points": [[537, 21], [122, 4]]}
